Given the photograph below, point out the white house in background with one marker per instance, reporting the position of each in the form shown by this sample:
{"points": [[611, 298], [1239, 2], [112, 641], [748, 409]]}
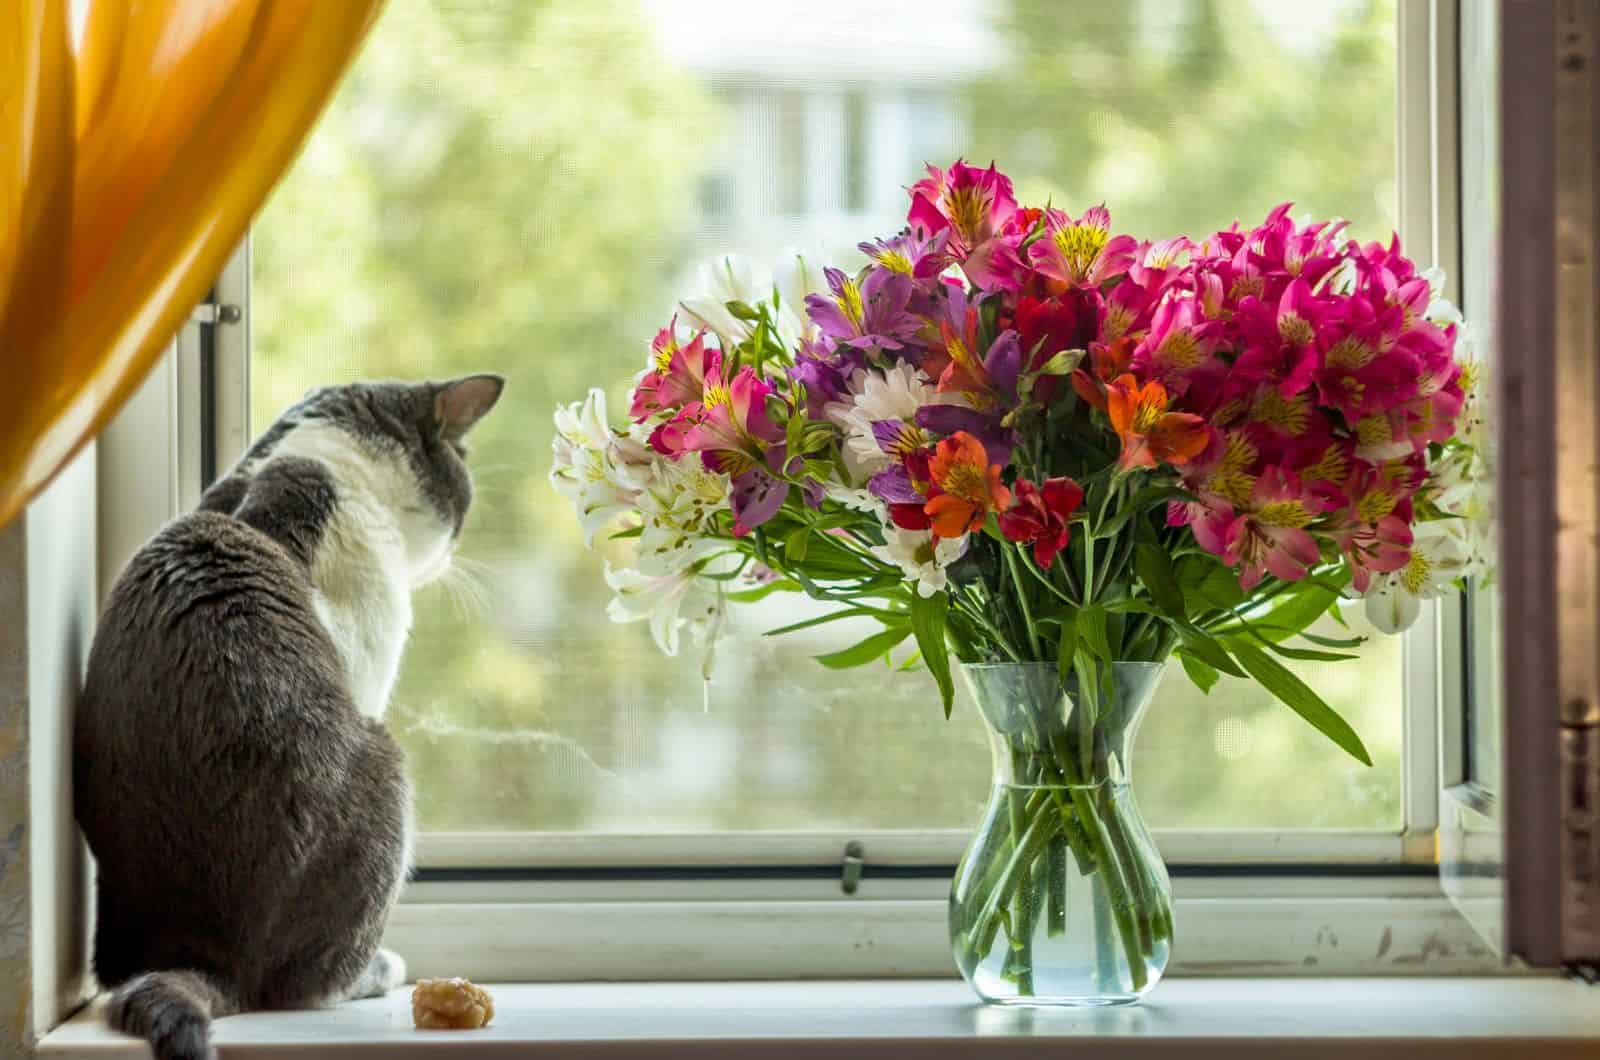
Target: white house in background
{"points": [[832, 108]]}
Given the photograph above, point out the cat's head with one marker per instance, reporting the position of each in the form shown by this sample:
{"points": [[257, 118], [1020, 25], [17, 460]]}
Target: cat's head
{"points": [[400, 445]]}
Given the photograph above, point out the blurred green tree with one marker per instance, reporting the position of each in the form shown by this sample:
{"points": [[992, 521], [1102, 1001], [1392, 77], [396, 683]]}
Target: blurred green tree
{"points": [[508, 185]]}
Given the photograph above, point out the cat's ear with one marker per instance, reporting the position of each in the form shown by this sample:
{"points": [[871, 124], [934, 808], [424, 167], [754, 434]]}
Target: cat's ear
{"points": [[462, 403]]}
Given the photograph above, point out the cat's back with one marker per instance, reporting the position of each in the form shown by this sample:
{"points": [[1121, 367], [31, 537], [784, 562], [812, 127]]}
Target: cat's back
{"points": [[208, 656]]}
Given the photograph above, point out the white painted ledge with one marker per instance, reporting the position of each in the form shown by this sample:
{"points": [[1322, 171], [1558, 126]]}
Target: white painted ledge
{"points": [[1420, 1019]]}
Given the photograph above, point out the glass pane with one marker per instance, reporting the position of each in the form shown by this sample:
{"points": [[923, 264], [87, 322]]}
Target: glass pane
{"points": [[526, 187], [1480, 239]]}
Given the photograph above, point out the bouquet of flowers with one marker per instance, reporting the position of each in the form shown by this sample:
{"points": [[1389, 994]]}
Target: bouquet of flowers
{"points": [[1011, 436]]}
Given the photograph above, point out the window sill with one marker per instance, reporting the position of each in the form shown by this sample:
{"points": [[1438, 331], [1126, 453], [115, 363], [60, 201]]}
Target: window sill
{"points": [[1459, 1018]]}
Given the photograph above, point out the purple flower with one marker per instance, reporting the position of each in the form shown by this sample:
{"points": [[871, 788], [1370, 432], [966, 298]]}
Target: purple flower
{"points": [[756, 496], [871, 314], [912, 253], [946, 420], [824, 370], [893, 485]]}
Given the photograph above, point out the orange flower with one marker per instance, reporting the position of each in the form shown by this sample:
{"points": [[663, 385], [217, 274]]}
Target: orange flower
{"points": [[1108, 363], [967, 487], [1150, 434]]}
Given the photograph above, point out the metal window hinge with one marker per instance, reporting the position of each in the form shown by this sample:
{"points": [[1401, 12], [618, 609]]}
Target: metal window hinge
{"points": [[854, 861], [212, 313]]}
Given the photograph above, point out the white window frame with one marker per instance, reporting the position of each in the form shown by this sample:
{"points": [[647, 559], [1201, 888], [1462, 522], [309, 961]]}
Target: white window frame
{"points": [[532, 905]]}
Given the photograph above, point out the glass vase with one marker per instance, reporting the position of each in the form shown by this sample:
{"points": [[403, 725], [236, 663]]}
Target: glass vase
{"points": [[1061, 898]]}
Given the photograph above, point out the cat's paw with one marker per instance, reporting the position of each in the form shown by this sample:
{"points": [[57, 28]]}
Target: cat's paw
{"points": [[383, 973], [389, 969]]}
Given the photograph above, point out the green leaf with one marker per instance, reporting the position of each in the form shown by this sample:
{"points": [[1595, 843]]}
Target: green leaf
{"points": [[1204, 677], [1062, 363], [927, 619], [797, 544], [1305, 654], [1092, 632], [1205, 648], [859, 654], [1141, 502], [624, 535], [822, 620], [1123, 607], [1068, 643], [1298, 697], [761, 592], [1155, 570]]}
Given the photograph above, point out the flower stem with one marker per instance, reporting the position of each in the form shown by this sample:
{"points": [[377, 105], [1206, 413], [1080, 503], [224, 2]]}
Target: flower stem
{"points": [[1022, 598]]}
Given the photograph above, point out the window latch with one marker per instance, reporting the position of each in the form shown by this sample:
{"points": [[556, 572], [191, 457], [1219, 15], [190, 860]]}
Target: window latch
{"points": [[212, 313], [850, 870]]}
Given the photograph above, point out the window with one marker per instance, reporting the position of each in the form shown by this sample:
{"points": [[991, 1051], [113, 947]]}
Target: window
{"points": [[518, 189], [528, 188]]}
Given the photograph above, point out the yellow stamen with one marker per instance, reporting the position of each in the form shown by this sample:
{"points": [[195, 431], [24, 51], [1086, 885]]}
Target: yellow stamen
{"points": [[966, 208], [1375, 505], [1284, 513], [1374, 430], [1246, 285], [717, 394], [1289, 415], [664, 357], [1147, 415], [1295, 329], [1331, 468], [965, 481], [1350, 352], [1118, 320], [1181, 350], [895, 261], [849, 301], [1080, 245], [1414, 575]]}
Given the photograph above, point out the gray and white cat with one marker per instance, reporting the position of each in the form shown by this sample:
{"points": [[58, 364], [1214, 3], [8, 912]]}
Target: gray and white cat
{"points": [[248, 812]]}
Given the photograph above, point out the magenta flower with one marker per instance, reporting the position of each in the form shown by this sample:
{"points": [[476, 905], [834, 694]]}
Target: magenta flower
{"points": [[677, 375], [1180, 347], [868, 315], [974, 205], [1081, 252], [734, 435], [1270, 537], [734, 431]]}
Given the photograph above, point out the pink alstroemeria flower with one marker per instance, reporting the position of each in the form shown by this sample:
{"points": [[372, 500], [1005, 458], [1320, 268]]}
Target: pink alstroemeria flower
{"points": [[677, 375], [735, 436], [974, 204], [1081, 252], [1270, 536]]}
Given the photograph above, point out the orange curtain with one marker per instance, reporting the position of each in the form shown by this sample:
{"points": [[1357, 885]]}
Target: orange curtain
{"points": [[131, 161]]}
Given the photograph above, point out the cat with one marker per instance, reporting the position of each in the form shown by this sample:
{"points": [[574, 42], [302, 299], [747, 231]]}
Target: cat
{"points": [[248, 812]]}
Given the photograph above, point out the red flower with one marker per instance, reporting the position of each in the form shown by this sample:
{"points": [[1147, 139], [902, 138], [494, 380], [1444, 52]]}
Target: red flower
{"points": [[1042, 516]]}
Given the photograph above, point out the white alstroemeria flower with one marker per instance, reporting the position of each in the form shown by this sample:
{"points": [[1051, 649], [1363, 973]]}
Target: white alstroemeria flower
{"points": [[669, 602], [1438, 558], [922, 557], [856, 499], [1441, 311], [894, 393], [1459, 486], [599, 471], [677, 507], [733, 278], [795, 276]]}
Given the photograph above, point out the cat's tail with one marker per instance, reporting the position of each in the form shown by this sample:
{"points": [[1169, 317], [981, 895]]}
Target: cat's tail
{"points": [[172, 1011]]}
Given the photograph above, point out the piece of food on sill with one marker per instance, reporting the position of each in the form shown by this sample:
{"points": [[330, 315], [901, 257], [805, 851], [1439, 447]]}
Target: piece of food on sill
{"points": [[450, 1005]]}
